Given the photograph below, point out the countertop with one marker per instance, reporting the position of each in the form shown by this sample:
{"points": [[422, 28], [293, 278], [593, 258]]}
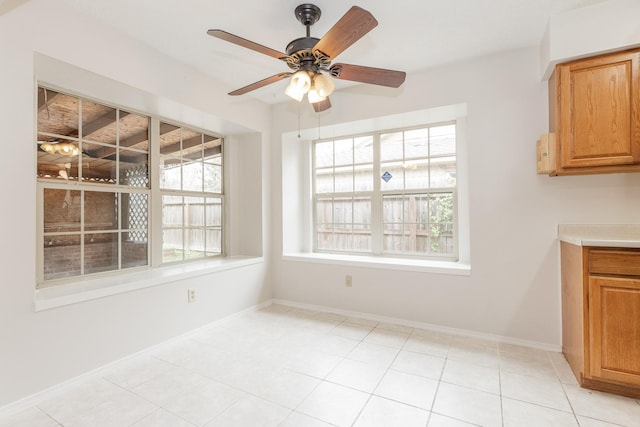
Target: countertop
{"points": [[605, 235]]}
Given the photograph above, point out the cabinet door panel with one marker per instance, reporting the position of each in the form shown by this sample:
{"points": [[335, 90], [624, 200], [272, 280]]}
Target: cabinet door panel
{"points": [[614, 322], [598, 111]]}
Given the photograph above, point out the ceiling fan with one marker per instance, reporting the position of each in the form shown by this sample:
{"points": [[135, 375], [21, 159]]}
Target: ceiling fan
{"points": [[309, 58]]}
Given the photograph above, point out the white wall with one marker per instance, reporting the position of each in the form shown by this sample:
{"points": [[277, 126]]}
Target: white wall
{"points": [[38, 350], [599, 28], [514, 289]]}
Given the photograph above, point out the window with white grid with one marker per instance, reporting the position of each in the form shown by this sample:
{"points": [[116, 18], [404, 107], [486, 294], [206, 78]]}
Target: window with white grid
{"points": [[96, 187], [387, 193]]}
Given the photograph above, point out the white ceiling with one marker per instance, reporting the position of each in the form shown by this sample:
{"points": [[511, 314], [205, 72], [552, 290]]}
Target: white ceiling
{"points": [[411, 35]]}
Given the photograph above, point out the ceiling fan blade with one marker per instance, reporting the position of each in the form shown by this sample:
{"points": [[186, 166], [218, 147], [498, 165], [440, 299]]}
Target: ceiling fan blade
{"points": [[349, 29], [375, 76], [223, 35], [261, 83], [322, 105]]}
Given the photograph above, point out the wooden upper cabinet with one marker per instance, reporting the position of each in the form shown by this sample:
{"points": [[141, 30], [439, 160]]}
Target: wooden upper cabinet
{"points": [[596, 116]]}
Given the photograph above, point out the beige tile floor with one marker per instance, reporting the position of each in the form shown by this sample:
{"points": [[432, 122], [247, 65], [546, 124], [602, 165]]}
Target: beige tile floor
{"points": [[287, 367]]}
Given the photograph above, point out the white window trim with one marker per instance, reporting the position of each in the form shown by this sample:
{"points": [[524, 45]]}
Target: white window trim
{"points": [[297, 219]]}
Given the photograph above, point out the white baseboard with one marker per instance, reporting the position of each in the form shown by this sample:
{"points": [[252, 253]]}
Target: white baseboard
{"points": [[427, 326], [36, 398]]}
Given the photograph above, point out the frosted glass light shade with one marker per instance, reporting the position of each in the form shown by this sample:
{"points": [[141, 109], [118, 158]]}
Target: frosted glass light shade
{"points": [[299, 85], [314, 96], [323, 85]]}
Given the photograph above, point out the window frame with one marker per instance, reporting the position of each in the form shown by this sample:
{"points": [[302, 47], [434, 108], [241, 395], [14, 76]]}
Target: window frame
{"points": [[152, 191], [186, 193], [376, 196]]}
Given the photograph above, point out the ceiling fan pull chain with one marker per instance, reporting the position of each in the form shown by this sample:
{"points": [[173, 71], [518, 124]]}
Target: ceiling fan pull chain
{"points": [[299, 120]]}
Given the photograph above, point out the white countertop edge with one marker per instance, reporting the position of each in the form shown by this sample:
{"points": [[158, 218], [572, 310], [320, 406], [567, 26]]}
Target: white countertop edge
{"points": [[603, 235]]}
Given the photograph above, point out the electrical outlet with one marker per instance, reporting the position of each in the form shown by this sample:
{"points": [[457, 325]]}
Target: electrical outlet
{"points": [[348, 281], [191, 295]]}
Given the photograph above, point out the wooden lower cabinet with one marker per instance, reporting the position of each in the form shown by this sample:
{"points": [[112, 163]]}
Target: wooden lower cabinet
{"points": [[601, 317]]}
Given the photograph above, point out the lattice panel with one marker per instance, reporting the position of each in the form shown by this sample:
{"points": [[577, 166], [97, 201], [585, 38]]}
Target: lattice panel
{"points": [[138, 212]]}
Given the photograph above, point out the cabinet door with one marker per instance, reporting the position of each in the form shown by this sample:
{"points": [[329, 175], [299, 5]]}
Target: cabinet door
{"points": [[597, 115], [614, 329]]}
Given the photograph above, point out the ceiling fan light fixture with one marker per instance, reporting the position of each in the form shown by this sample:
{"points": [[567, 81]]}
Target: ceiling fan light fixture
{"points": [[315, 96], [63, 148], [323, 85], [48, 148], [299, 85]]}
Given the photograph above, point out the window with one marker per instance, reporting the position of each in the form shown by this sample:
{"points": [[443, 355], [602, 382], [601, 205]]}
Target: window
{"points": [[191, 183], [388, 193], [95, 189]]}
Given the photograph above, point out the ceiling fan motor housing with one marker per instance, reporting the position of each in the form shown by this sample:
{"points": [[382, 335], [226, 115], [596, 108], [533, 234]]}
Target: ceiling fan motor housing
{"points": [[303, 43], [308, 14]]}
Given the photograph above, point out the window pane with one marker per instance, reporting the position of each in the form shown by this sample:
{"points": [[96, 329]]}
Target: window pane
{"points": [[363, 178], [61, 210], [441, 208], [172, 248], [324, 180], [343, 213], [391, 146], [100, 210], [343, 178], [134, 215], [361, 224], [324, 211], [416, 143], [170, 173], [343, 152], [134, 131], [99, 163], [134, 250], [324, 223], [363, 150], [100, 252], [214, 212], [214, 241], [442, 140], [194, 245], [324, 154], [213, 177], [416, 174], [191, 144], [61, 256], [194, 209], [172, 212], [170, 140], [57, 158], [192, 175], [98, 123], [57, 113], [392, 177], [443, 172], [134, 168]]}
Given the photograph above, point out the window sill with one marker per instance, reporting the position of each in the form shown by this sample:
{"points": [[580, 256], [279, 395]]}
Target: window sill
{"points": [[85, 290], [406, 264]]}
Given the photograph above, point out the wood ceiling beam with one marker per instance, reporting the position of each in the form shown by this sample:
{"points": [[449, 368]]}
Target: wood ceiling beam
{"points": [[101, 122]]}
